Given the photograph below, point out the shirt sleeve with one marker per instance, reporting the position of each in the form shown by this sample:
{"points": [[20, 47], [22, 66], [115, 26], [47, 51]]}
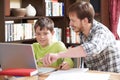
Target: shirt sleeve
{"points": [[61, 47], [98, 42]]}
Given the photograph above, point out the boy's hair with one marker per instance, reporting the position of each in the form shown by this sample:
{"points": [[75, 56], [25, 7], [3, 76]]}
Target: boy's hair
{"points": [[44, 22], [83, 10]]}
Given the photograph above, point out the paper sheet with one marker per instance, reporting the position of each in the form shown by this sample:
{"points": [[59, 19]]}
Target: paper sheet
{"points": [[76, 74], [43, 70]]}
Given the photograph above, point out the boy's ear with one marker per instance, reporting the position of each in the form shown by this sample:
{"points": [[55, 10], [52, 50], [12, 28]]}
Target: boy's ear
{"points": [[53, 32]]}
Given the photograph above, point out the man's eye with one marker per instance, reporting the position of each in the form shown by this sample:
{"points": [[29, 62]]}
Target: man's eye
{"points": [[73, 20]]}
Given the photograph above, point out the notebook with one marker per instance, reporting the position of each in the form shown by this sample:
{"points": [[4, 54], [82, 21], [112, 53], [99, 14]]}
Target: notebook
{"points": [[14, 55]]}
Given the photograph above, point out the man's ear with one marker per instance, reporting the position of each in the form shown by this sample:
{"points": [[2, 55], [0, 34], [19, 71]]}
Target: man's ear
{"points": [[84, 21]]}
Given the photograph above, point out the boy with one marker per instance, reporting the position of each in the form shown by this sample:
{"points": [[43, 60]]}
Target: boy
{"points": [[44, 31]]}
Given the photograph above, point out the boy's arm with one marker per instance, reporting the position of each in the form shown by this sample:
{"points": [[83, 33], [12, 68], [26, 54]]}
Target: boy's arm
{"points": [[63, 48], [69, 61]]}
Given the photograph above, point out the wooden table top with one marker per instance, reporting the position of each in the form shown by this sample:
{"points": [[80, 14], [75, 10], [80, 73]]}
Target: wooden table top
{"points": [[113, 76]]}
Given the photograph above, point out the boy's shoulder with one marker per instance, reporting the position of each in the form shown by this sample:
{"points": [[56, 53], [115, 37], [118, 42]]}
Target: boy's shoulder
{"points": [[58, 42], [35, 43]]}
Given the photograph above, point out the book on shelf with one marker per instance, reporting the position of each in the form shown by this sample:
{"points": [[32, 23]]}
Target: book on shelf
{"points": [[68, 34], [72, 36], [9, 30], [54, 8], [58, 34], [19, 72]]}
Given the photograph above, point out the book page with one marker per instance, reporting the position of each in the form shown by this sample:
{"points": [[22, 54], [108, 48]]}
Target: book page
{"points": [[43, 70], [76, 74]]}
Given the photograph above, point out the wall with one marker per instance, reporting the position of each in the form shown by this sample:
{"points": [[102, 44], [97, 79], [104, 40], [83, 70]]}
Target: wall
{"points": [[15, 3]]}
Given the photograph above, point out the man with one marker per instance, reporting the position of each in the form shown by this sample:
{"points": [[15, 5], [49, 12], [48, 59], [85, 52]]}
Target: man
{"points": [[98, 44]]}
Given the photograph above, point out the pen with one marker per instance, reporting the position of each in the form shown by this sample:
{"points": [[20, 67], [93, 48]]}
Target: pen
{"points": [[39, 60], [60, 67]]}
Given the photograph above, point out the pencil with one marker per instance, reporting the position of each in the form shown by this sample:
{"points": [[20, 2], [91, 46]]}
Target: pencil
{"points": [[39, 60], [60, 67]]}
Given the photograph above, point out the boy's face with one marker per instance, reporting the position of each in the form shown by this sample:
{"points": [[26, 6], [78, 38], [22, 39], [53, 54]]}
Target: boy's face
{"points": [[44, 36]]}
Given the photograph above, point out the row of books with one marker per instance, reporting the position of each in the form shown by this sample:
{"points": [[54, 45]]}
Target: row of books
{"points": [[54, 8], [71, 36], [22, 31], [18, 31]]}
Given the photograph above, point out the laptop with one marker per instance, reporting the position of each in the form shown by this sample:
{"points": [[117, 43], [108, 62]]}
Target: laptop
{"points": [[15, 55]]}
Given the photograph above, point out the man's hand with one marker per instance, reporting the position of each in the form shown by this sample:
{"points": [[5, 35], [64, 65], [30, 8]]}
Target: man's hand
{"points": [[49, 59]]}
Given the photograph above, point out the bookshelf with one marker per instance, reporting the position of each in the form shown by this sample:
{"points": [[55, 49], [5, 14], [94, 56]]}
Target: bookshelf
{"points": [[60, 21], [40, 6]]}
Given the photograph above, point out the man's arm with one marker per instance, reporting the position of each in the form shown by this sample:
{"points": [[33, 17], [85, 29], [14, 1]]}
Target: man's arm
{"points": [[71, 52]]}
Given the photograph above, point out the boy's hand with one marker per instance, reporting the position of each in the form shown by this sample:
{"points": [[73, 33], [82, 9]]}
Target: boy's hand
{"points": [[64, 66]]}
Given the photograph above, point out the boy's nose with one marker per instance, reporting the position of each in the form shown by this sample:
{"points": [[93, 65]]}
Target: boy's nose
{"points": [[42, 36]]}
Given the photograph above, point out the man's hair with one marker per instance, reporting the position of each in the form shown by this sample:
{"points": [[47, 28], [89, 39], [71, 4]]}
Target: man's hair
{"points": [[83, 10], [44, 22]]}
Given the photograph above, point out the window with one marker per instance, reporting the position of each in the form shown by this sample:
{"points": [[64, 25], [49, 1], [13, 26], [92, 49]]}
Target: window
{"points": [[118, 28]]}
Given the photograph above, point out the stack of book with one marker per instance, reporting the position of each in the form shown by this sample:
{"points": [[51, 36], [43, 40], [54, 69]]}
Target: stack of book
{"points": [[19, 72]]}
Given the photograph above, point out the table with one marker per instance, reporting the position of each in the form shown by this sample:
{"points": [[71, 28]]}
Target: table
{"points": [[113, 76]]}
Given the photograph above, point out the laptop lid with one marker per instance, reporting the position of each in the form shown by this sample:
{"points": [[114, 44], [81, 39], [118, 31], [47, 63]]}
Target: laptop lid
{"points": [[14, 55]]}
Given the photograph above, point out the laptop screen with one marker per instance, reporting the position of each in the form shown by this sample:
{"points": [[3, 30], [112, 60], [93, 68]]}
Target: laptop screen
{"points": [[14, 55]]}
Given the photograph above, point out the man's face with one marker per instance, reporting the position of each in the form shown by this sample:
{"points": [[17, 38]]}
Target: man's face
{"points": [[43, 36], [75, 23]]}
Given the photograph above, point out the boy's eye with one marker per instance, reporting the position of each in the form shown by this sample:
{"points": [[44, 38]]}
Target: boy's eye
{"points": [[37, 34], [45, 33]]}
